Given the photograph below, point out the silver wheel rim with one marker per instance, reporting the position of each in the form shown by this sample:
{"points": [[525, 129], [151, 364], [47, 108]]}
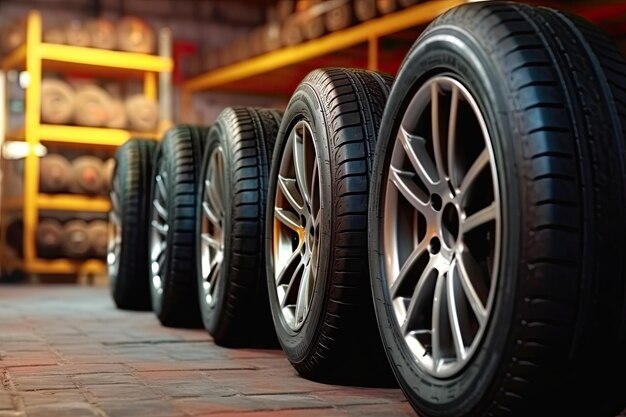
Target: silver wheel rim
{"points": [[297, 214], [212, 234], [442, 227], [114, 237], [159, 227]]}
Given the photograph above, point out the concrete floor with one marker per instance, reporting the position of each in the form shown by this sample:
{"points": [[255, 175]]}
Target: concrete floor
{"points": [[66, 351]]}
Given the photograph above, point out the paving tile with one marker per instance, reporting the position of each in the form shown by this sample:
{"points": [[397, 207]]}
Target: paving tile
{"points": [[42, 382], [125, 392], [153, 408], [6, 401], [107, 378], [68, 409], [45, 397]]}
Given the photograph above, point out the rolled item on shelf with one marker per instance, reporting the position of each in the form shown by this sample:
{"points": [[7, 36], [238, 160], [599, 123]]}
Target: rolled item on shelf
{"points": [[76, 33], [93, 106], [271, 37], [57, 101], [75, 242], [313, 26], [386, 6], [281, 10], [135, 35], [108, 168], [365, 10], [291, 30], [119, 119], [54, 35], [102, 32], [13, 35], [241, 49], [49, 238], [339, 15], [88, 175], [97, 233], [142, 112], [15, 235], [55, 173]]}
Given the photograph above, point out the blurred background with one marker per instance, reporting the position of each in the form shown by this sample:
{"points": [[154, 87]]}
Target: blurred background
{"points": [[79, 77]]}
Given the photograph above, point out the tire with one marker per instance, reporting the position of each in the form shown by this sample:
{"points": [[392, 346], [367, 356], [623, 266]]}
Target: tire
{"points": [[127, 257], [231, 212], [172, 237], [521, 281], [326, 325]]}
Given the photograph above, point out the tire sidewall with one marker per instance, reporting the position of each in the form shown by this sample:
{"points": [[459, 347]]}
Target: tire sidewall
{"points": [[450, 51], [161, 163], [219, 135], [304, 105]]}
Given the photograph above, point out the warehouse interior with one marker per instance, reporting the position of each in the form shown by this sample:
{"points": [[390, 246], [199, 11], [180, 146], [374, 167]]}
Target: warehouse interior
{"points": [[79, 78]]}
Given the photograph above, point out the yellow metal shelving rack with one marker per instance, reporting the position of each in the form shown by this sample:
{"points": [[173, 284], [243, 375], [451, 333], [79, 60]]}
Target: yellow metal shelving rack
{"points": [[36, 56], [278, 71]]}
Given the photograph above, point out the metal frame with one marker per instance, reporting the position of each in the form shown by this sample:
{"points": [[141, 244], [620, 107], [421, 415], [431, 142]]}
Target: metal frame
{"points": [[34, 56]]}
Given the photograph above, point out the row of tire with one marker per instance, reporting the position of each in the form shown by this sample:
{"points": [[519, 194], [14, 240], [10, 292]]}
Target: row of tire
{"points": [[458, 231]]}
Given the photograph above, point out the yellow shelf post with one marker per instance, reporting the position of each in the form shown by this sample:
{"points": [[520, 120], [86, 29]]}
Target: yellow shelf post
{"points": [[31, 133]]}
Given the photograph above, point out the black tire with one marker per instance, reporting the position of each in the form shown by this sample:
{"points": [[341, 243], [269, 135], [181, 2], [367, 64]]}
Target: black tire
{"points": [[172, 237], [130, 196], [551, 91], [233, 295], [333, 336]]}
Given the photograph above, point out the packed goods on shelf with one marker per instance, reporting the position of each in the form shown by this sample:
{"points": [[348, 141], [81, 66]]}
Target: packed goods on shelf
{"points": [[88, 104], [292, 22], [129, 33]]}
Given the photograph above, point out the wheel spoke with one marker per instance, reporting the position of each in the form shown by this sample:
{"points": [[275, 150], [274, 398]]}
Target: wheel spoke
{"points": [[480, 217], [210, 215], [160, 182], [455, 317], [304, 293], [299, 162], [473, 284], [420, 294], [210, 241], [435, 123], [161, 228], [284, 277], [288, 218], [438, 322], [408, 267], [290, 191], [160, 209], [454, 110], [415, 149], [403, 180], [293, 285], [470, 177], [215, 196], [213, 275]]}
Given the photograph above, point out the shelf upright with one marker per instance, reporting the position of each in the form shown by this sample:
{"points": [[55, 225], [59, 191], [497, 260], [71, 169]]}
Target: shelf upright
{"points": [[35, 56]]}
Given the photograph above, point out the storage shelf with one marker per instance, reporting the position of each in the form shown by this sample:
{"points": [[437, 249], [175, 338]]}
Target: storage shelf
{"points": [[67, 266], [58, 57], [70, 202], [37, 57], [229, 78], [104, 136]]}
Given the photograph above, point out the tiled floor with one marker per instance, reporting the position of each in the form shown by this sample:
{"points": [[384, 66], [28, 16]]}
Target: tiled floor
{"points": [[66, 351]]}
